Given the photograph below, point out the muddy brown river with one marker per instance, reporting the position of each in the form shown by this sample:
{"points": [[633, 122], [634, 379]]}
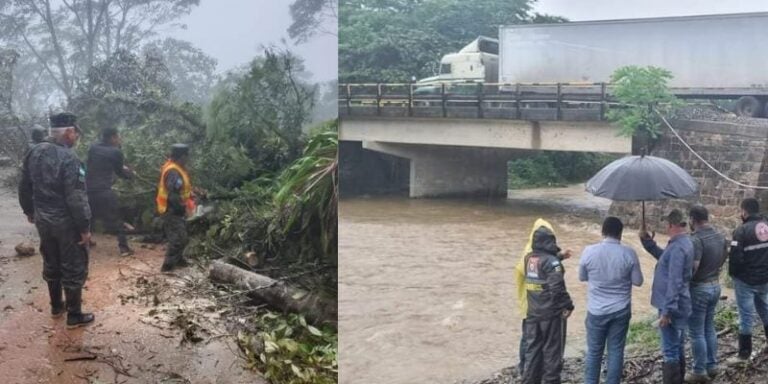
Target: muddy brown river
{"points": [[427, 292]]}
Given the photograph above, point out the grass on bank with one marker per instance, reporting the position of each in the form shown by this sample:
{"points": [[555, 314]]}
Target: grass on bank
{"points": [[643, 336]]}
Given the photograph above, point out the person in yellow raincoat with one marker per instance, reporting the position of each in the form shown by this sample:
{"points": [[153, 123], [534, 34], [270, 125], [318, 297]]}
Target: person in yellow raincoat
{"points": [[522, 295]]}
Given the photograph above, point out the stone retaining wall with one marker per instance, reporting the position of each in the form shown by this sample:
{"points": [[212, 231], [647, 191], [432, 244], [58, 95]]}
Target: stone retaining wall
{"points": [[737, 150]]}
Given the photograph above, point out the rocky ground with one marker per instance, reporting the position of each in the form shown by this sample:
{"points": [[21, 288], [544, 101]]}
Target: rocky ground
{"points": [[646, 367], [714, 113]]}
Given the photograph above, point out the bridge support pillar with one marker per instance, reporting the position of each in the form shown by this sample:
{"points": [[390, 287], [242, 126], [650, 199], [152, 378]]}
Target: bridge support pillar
{"points": [[451, 171]]}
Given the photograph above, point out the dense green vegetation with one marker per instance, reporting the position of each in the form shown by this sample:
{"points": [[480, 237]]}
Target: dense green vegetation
{"points": [[547, 169], [393, 40]]}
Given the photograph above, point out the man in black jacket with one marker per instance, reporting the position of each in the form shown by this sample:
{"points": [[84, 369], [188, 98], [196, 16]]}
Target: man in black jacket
{"points": [[748, 265], [52, 195], [549, 305], [105, 160]]}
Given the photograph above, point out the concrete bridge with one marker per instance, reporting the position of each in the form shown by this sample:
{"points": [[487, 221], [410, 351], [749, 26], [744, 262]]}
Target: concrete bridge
{"points": [[458, 142], [461, 157]]}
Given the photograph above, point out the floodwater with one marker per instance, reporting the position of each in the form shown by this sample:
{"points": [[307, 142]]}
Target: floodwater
{"points": [[427, 293], [132, 339]]}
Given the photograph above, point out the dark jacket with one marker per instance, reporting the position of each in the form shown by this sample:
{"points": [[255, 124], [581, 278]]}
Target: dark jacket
{"points": [[174, 183], [544, 283], [749, 255], [709, 251], [104, 162], [52, 187], [671, 292]]}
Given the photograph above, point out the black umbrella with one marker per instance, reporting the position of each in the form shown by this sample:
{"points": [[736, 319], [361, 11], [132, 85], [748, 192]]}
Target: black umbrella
{"points": [[641, 178]]}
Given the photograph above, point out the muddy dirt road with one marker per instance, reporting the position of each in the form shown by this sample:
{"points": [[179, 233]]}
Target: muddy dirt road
{"points": [[149, 328]]}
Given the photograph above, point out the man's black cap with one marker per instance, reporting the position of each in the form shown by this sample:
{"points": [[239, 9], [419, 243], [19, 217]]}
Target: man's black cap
{"points": [[179, 150], [64, 120]]}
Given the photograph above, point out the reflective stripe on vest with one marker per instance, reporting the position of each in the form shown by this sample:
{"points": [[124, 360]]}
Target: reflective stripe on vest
{"points": [[186, 189]]}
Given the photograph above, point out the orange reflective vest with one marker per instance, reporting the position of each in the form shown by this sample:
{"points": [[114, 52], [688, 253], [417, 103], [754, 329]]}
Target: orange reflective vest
{"points": [[186, 190]]}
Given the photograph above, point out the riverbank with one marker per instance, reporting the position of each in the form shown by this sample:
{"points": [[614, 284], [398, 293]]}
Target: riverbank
{"points": [[644, 365]]}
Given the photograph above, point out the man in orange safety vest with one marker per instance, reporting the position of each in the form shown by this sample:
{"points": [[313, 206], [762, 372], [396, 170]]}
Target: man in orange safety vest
{"points": [[175, 202]]}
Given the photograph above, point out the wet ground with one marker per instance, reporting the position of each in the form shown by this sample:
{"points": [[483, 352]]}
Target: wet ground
{"points": [[427, 290], [149, 328]]}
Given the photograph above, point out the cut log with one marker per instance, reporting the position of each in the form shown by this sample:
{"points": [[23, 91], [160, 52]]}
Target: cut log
{"points": [[276, 293]]}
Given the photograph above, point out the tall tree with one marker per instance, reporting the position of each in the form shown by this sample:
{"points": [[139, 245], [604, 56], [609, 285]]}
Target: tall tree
{"points": [[393, 40], [66, 37], [264, 109], [192, 71], [311, 17]]}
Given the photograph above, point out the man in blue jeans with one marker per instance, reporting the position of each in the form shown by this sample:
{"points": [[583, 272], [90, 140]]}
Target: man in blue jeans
{"points": [[671, 293], [748, 265], [709, 251], [610, 269]]}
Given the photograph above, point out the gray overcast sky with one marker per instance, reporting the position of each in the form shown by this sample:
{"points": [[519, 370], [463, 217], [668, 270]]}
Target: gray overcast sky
{"points": [[612, 9], [233, 31]]}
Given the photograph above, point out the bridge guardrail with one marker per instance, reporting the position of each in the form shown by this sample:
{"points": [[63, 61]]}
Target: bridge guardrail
{"points": [[539, 101]]}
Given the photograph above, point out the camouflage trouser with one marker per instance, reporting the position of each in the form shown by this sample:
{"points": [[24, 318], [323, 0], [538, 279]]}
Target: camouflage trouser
{"points": [[175, 228], [105, 207], [63, 258]]}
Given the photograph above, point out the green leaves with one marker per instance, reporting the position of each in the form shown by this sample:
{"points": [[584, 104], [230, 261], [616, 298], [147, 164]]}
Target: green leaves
{"points": [[292, 352], [263, 110], [640, 90]]}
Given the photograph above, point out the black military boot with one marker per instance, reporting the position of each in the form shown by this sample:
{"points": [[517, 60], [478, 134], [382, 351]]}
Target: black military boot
{"points": [[75, 316], [745, 350], [57, 299], [671, 373]]}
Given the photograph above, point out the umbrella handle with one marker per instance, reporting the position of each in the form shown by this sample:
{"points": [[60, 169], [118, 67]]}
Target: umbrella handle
{"points": [[642, 222]]}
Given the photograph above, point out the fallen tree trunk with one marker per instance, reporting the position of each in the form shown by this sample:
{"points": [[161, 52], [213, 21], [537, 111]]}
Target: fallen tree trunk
{"points": [[277, 293]]}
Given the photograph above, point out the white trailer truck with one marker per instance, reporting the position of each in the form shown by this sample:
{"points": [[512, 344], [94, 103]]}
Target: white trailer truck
{"points": [[478, 61], [710, 57]]}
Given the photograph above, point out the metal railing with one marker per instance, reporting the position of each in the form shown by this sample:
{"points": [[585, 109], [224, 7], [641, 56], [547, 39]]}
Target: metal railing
{"points": [[538, 101]]}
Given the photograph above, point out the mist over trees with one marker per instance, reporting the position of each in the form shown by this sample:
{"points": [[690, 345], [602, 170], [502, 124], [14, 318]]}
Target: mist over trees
{"points": [[311, 18], [393, 40]]}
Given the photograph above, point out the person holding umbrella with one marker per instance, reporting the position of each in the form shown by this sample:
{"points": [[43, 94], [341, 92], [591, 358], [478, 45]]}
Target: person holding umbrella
{"points": [[748, 265], [670, 293]]}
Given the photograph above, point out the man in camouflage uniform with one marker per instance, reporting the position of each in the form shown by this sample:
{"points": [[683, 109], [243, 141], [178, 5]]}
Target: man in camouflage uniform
{"points": [[52, 195], [105, 160], [175, 202]]}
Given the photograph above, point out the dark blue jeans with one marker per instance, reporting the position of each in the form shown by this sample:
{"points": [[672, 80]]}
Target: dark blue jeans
{"points": [[750, 298], [610, 330], [673, 339], [701, 326]]}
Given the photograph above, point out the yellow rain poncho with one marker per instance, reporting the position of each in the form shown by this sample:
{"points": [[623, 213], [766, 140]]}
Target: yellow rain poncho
{"points": [[522, 295]]}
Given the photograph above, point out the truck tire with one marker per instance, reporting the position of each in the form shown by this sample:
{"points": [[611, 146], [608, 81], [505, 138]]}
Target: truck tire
{"points": [[749, 106]]}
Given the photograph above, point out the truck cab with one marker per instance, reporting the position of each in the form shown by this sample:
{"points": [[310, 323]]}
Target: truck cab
{"points": [[477, 62]]}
